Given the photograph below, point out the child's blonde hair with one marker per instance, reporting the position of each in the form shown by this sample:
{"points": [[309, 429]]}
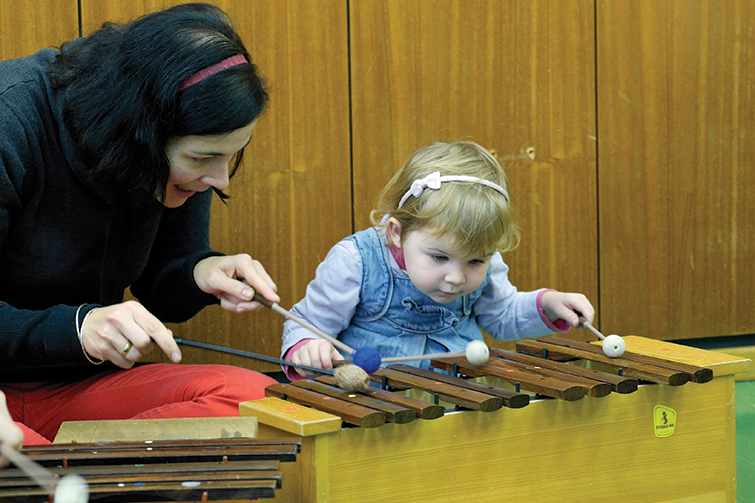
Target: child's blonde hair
{"points": [[478, 218]]}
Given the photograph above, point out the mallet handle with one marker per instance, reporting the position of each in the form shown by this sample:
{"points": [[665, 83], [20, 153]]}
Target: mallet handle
{"points": [[594, 330], [275, 307], [247, 354], [395, 359], [43, 477], [435, 356]]}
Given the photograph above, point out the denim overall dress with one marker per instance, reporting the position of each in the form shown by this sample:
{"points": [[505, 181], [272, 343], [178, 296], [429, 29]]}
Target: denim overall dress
{"points": [[397, 319]]}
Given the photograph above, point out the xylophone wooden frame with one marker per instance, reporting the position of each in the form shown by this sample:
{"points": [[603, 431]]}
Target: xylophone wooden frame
{"points": [[592, 449]]}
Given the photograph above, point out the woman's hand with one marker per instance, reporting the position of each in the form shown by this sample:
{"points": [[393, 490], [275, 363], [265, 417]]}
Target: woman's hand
{"points": [[10, 434], [566, 306], [317, 353], [234, 279], [123, 333]]}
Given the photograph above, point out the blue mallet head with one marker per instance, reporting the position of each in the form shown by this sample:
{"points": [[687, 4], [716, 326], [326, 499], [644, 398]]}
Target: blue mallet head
{"points": [[368, 359]]}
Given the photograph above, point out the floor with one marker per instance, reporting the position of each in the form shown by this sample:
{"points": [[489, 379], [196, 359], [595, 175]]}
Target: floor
{"points": [[745, 413]]}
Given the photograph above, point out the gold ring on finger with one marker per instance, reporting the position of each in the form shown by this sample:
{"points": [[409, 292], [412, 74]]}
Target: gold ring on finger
{"points": [[126, 349]]}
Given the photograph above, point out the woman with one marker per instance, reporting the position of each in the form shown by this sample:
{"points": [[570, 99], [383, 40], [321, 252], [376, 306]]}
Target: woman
{"points": [[108, 151]]}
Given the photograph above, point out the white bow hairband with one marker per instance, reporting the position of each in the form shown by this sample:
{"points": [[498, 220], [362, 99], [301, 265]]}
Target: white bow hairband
{"points": [[434, 180]]}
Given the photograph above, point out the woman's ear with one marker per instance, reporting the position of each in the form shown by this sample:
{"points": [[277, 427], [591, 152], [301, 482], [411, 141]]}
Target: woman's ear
{"points": [[393, 232]]}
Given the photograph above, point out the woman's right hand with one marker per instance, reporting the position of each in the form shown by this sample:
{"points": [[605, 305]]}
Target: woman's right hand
{"points": [[123, 333], [317, 353]]}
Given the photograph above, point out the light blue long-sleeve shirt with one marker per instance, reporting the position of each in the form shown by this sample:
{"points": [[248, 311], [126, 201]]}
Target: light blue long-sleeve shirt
{"points": [[333, 296]]}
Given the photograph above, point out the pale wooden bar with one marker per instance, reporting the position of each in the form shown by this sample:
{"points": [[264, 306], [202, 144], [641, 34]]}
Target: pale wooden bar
{"points": [[135, 430], [593, 449]]}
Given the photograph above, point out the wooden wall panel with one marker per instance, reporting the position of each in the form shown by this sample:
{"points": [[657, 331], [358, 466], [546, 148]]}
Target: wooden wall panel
{"points": [[647, 212], [515, 76], [291, 200], [676, 106], [27, 26]]}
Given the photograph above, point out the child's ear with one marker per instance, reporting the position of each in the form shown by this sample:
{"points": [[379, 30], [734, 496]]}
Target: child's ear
{"points": [[393, 232]]}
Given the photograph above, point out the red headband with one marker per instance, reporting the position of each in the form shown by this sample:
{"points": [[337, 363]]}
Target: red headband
{"points": [[238, 59]]}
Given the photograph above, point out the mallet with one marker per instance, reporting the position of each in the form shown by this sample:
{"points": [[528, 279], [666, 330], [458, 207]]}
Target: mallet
{"points": [[347, 379], [70, 489], [366, 358], [476, 352], [613, 345], [288, 314]]}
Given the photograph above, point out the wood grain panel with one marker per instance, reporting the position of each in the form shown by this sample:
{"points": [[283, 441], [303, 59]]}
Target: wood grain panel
{"points": [[676, 108], [291, 201], [27, 26], [515, 76]]}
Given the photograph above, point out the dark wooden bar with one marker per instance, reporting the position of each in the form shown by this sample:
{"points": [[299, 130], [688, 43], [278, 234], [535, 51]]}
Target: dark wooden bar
{"points": [[619, 384], [546, 386], [641, 370], [352, 413], [696, 374], [184, 470], [510, 398], [422, 409], [393, 413], [462, 397]]}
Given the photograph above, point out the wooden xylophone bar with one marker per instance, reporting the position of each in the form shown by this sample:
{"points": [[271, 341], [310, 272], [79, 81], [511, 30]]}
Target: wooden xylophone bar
{"points": [[202, 470], [538, 367]]}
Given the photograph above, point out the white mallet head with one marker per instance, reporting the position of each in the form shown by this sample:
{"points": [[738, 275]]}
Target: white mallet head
{"points": [[477, 352], [614, 346], [71, 489]]}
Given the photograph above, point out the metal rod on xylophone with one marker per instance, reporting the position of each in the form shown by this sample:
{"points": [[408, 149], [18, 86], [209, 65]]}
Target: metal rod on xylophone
{"points": [[188, 470]]}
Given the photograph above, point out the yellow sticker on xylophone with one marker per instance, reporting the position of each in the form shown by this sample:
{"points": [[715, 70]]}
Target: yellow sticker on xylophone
{"points": [[664, 419]]}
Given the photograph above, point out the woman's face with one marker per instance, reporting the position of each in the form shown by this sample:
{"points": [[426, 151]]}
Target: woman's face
{"points": [[200, 162]]}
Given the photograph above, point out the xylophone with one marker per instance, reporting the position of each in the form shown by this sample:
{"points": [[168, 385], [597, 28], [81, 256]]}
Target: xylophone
{"points": [[557, 420], [182, 470]]}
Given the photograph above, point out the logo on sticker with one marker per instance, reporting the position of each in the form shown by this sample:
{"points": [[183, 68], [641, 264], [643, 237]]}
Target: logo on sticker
{"points": [[664, 419]]}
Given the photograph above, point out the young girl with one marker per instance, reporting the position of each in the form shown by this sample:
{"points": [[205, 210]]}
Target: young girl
{"points": [[429, 275]]}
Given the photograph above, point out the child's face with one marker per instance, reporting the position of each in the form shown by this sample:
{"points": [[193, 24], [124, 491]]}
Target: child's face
{"points": [[437, 269]]}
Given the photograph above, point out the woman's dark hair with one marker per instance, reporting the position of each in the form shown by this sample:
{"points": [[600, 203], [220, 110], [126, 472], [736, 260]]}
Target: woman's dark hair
{"points": [[122, 102]]}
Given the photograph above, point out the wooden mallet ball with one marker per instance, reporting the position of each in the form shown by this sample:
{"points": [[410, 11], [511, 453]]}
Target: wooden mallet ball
{"points": [[351, 378]]}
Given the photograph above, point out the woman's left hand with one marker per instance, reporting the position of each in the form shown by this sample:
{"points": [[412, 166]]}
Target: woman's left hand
{"points": [[234, 279], [566, 306], [10, 434]]}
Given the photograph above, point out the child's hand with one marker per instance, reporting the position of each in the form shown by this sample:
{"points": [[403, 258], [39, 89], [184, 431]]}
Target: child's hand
{"points": [[566, 306], [317, 353]]}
